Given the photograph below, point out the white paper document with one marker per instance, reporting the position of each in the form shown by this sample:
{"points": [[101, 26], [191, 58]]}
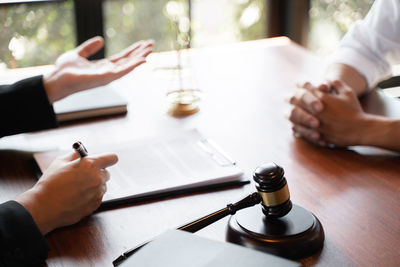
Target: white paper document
{"points": [[163, 164]]}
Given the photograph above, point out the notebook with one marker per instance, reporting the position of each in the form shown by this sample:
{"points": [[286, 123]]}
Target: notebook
{"points": [[176, 248], [156, 167], [100, 101]]}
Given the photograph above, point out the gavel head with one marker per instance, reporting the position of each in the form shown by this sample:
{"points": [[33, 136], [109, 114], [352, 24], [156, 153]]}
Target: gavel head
{"points": [[273, 189]]}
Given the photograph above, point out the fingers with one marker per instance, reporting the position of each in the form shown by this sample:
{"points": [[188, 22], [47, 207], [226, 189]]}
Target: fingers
{"points": [[130, 60], [70, 156], [135, 48], [105, 160], [107, 70], [324, 87], [306, 105], [340, 87], [103, 190], [307, 100], [301, 117], [105, 175], [127, 67], [306, 125], [140, 53], [97, 198], [304, 84], [90, 47], [126, 51], [98, 189], [339, 90], [143, 52], [96, 164], [309, 134]]}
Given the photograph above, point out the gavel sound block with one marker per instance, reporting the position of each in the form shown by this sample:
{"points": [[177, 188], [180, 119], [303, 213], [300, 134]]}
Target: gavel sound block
{"points": [[281, 228]]}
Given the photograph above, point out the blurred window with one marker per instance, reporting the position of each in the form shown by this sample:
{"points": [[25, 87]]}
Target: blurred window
{"points": [[335, 18], [35, 33], [212, 22], [226, 21], [127, 21]]}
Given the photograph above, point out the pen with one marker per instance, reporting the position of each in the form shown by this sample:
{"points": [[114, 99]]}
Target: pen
{"points": [[80, 149]]}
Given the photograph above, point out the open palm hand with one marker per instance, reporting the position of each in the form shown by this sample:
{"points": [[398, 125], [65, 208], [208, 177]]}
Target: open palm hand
{"points": [[74, 72]]}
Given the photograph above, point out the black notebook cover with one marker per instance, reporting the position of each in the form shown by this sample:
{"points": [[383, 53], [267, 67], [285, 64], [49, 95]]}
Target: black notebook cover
{"points": [[176, 248]]}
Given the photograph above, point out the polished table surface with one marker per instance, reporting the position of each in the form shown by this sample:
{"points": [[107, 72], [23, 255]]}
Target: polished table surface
{"points": [[355, 196]]}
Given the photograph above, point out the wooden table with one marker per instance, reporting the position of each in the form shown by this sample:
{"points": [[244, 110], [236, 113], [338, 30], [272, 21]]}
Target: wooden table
{"points": [[356, 197]]}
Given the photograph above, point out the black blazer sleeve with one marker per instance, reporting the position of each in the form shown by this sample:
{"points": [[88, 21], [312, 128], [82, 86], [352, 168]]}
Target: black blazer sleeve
{"points": [[24, 107], [21, 242]]}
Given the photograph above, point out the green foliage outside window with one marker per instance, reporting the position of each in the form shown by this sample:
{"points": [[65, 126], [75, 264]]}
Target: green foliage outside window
{"points": [[331, 19], [251, 19], [35, 34], [128, 21]]}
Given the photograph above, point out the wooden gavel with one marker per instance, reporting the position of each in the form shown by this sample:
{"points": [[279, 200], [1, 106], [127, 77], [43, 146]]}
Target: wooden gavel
{"points": [[272, 193]]}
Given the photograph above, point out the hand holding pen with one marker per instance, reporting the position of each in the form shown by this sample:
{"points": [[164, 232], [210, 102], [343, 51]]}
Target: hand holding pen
{"points": [[80, 149], [70, 189]]}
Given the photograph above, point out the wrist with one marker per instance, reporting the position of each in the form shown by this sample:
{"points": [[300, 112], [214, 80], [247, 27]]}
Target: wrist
{"points": [[30, 201], [347, 75], [377, 130], [51, 86]]}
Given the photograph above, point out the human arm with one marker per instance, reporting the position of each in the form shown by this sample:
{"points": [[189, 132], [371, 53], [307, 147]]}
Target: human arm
{"points": [[340, 119], [21, 242], [73, 72], [372, 44], [344, 123], [363, 59], [24, 107], [70, 189], [27, 105], [306, 103]]}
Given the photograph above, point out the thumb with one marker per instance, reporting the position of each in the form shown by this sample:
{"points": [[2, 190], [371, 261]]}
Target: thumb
{"points": [[339, 86], [90, 47], [105, 160], [324, 87], [70, 156]]}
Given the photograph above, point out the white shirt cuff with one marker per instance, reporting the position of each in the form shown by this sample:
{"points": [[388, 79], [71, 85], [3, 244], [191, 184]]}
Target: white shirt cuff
{"points": [[371, 72]]}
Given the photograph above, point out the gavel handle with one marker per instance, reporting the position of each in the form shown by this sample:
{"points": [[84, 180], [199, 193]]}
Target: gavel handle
{"points": [[199, 224], [230, 209]]}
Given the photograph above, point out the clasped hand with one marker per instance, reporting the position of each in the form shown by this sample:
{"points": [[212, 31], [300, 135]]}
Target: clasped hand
{"points": [[328, 113]]}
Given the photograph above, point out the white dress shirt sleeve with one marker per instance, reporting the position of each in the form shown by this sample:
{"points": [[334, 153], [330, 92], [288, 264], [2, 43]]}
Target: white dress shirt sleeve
{"points": [[373, 44]]}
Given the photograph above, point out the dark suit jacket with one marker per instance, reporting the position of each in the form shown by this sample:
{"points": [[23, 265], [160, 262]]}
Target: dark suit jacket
{"points": [[21, 242], [23, 107]]}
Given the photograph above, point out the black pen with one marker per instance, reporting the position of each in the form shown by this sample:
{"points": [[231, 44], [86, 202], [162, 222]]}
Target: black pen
{"points": [[80, 149]]}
